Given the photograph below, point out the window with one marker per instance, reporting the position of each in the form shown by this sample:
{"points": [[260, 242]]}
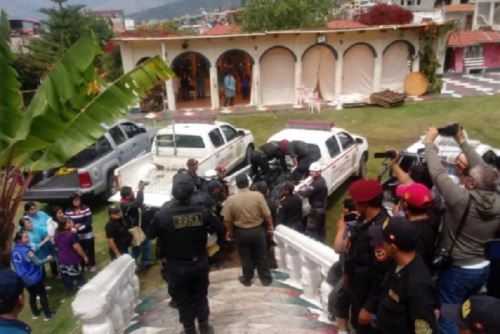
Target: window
{"points": [[131, 129], [333, 146], [345, 140], [117, 135], [229, 132], [181, 141], [216, 137], [91, 153], [475, 51]]}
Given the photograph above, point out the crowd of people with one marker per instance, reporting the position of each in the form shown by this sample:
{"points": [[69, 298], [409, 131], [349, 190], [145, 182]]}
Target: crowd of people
{"points": [[420, 268]]}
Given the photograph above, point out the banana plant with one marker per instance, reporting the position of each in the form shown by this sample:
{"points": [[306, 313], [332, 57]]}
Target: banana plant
{"points": [[66, 114]]}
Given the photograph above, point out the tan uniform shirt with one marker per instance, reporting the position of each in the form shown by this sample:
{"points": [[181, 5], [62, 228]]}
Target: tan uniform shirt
{"points": [[245, 209]]}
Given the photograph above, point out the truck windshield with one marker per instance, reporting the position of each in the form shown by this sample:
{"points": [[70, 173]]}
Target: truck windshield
{"points": [[90, 154], [181, 141]]}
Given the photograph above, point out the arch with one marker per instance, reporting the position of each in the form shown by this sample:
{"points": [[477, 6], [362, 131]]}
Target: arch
{"points": [[362, 43], [234, 50], [279, 47], [358, 70], [411, 47], [277, 77], [335, 53], [318, 70], [142, 60], [180, 55], [395, 65]]}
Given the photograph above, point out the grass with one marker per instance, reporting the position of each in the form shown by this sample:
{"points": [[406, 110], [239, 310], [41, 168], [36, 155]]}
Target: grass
{"points": [[384, 128]]}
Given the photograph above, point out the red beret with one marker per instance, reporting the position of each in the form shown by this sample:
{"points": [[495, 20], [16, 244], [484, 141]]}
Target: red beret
{"points": [[365, 190]]}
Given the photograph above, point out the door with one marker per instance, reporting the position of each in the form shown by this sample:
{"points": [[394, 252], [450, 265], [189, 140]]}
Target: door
{"points": [[332, 174], [123, 146], [218, 142], [348, 156], [137, 137], [234, 151]]}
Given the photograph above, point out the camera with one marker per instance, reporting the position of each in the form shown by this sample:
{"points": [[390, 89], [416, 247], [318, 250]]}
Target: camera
{"points": [[442, 259], [391, 154], [450, 130]]}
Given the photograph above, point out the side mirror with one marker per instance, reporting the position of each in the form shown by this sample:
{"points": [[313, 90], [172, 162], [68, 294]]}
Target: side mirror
{"points": [[142, 130], [241, 133], [359, 141]]}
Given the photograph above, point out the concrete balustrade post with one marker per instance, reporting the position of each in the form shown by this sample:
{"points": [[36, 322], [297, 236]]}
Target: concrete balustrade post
{"points": [[293, 265], [280, 253], [311, 280]]}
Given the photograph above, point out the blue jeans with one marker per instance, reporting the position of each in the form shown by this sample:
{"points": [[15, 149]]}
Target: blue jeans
{"points": [[144, 251], [455, 285]]}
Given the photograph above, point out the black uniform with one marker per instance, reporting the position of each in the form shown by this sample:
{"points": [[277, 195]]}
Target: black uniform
{"points": [[290, 212], [409, 300], [182, 233], [259, 159], [317, 193], [198, 182], [365, 274], [305, 154], [426, 240]]}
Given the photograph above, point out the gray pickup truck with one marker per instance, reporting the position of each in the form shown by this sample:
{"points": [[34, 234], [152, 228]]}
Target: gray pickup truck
{"points": [[91, 171]]}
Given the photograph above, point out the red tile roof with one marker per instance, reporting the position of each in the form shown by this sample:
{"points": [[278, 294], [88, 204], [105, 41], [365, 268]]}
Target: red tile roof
{"points": [[222, 30], [462, 7], [344, 24], [147, 33], [467, 38]]}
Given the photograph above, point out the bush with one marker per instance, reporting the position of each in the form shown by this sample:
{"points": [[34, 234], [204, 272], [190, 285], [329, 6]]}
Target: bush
{"points": [[382, 14]]}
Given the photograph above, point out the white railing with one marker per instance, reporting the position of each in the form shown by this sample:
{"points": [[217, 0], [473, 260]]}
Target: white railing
{"points": [[307, 263], [105, 305]]}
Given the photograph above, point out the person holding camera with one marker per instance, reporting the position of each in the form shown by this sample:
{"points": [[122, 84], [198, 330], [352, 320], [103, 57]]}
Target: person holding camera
{"points": [[472, 216]]}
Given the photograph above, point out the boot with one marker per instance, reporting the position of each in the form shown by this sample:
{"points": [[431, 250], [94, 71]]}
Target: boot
{"points": [[189, 330], [205, 327]]}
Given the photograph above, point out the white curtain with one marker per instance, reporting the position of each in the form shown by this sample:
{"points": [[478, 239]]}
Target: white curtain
{"points": [[318, 67], [357, 75], [395, 67], [277, 77]]}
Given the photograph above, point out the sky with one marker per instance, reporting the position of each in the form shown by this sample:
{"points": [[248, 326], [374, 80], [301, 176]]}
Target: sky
{"points": [[28, 9]]}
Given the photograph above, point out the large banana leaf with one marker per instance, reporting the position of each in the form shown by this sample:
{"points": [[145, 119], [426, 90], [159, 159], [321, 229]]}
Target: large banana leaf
{"points": [[69, 108], [10, 94]]}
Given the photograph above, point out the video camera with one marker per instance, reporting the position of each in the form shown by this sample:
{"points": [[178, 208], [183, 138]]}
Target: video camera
{"points": [[450, 130], [389, 154]]}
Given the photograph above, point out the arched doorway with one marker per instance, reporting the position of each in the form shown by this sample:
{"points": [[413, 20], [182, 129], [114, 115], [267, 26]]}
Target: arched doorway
{"points": [[358, 67], [396, 65], [240, 64], [318, 70], [277, 68], [192, 80], [155, 99]]}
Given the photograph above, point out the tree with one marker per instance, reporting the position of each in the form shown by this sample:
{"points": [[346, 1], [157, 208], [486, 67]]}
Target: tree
{"points": [[381, 14], [65, 24], [260, 15], [65, 116]]}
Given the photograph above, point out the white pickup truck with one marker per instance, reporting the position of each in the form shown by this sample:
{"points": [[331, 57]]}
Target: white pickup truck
{"points": [[211, 142]]}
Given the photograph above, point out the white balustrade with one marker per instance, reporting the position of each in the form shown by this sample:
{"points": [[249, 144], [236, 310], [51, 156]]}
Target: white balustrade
{"points": [[307, 263], [105, 305]]}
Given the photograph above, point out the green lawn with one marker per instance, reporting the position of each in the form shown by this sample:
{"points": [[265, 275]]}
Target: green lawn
{"points": [[384, 128]]}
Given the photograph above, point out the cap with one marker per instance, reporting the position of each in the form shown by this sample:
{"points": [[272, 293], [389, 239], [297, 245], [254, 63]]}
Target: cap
{"points": [[220, 169], [315, 167], [11, 286], [416, 195], [400, 232], [183, 187], [114, 209], [192, 162], [284, 145], [478, 313], [365, 190], [210, 174]]}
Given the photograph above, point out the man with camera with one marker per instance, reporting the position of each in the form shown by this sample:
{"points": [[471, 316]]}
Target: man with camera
{"points": [[472, 216]]}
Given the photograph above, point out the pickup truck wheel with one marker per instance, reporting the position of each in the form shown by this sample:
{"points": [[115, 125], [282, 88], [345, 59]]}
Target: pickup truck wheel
{"points": [[110, 187], [248, 153], [362, 167]]}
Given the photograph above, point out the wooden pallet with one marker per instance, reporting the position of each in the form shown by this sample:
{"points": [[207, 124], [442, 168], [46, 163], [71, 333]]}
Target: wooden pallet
{"points": [[388, 99]]}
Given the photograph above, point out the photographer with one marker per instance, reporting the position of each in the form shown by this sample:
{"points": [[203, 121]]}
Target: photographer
{"points": [[472, 217]]}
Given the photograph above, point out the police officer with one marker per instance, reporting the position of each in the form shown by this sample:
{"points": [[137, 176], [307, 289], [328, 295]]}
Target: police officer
{"points": [[363, 274], [181, 228], [317, 193], [259, 158], [408, 304], [302, 155], [290, 208], [192, 169]]}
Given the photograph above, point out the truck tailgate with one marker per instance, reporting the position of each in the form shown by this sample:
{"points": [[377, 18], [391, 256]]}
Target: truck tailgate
{"points": [[56, 187]]}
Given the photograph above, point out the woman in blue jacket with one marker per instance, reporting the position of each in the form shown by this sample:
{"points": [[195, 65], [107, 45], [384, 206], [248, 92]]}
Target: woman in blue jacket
{"points": [[28, 267]]}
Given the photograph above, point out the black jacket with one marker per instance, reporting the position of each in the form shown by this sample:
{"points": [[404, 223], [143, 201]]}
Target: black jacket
{"points": [[317, 193]]}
